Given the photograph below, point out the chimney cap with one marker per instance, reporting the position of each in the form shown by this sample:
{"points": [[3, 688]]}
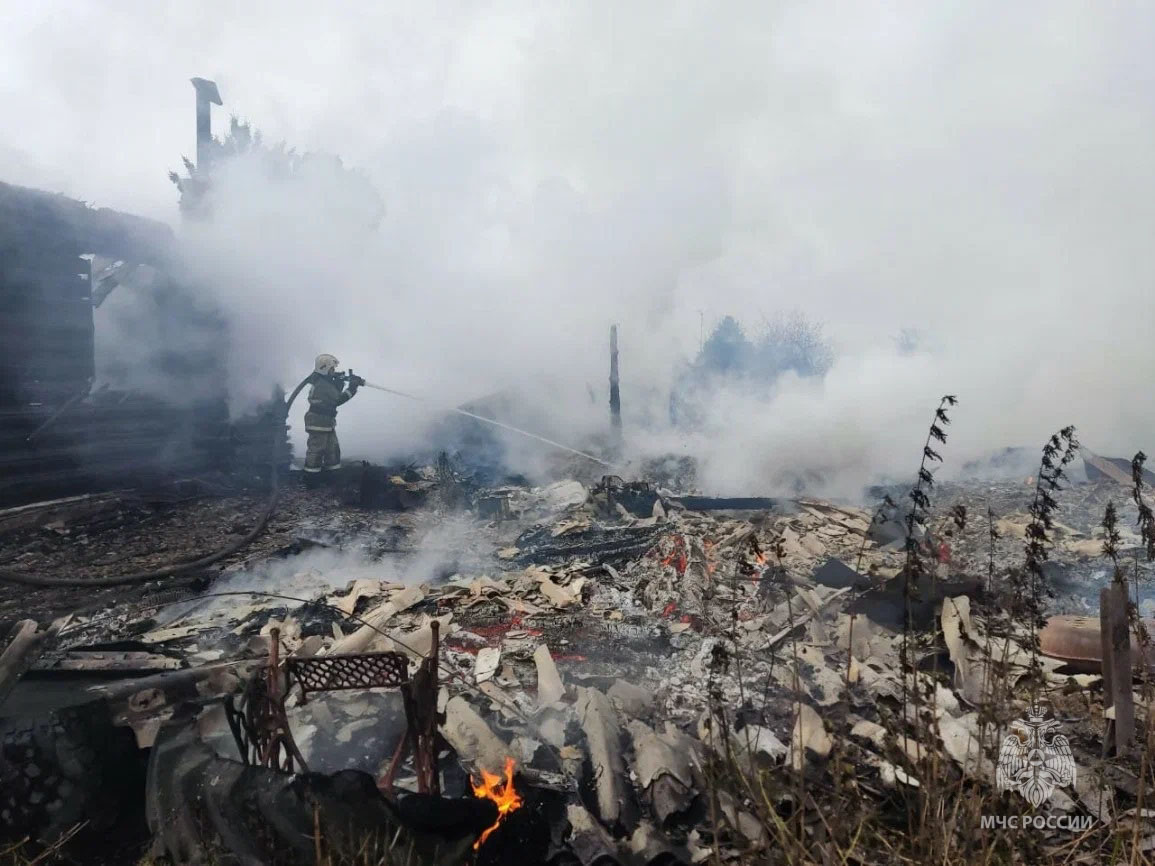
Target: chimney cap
{"points": [[207, 90]]}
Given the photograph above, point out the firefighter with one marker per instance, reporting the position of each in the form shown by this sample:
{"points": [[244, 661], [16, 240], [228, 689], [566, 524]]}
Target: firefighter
{"points": [[328, 389]]}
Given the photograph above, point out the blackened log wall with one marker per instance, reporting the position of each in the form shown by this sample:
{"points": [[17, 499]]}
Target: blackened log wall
{"points": [[110, 439]]}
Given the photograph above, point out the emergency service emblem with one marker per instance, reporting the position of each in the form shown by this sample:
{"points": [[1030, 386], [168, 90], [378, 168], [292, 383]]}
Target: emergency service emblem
{"points": [[1034, 758]]}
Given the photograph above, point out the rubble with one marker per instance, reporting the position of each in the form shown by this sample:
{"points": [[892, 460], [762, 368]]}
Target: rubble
{"points": [[627, 666]]}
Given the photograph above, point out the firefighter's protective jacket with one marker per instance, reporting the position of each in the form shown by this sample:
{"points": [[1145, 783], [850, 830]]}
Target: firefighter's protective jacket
{"points": [[325, 395]]}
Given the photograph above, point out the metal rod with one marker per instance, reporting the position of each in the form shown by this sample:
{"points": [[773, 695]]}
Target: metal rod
{"points": [[615, 394]]}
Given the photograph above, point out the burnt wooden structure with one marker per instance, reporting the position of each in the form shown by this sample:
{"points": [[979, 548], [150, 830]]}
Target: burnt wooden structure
{"points": [[67, 427], [46, 323]]}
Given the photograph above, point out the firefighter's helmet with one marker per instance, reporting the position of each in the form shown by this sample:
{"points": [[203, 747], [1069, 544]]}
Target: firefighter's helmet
{"points": [[326, 364]]}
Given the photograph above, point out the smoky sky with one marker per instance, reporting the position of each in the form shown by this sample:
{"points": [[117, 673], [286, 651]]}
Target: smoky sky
{"points": [[980, 171]]}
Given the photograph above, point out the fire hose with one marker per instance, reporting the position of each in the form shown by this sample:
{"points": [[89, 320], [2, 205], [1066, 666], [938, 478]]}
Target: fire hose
{"points": [[8, 575], [492, 422]]}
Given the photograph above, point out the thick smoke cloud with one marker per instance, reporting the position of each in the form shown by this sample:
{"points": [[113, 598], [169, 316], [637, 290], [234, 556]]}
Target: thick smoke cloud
{"points": [[979, 171]]}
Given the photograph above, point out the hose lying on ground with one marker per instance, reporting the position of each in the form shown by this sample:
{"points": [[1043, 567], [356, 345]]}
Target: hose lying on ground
{"points": [[26, 579]]}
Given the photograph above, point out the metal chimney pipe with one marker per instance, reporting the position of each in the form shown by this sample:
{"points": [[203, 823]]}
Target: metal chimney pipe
{"points": [[207, 95]]}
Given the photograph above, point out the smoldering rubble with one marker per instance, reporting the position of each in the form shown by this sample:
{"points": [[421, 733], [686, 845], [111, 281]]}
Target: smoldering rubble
{"points": [[591, 672]]}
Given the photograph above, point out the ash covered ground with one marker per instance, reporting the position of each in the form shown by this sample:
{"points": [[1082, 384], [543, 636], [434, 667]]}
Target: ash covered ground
{"points": [[637, 653]]}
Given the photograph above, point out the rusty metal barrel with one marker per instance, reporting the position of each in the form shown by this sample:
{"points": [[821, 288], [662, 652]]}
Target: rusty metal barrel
{"points": [[1075, 640]]}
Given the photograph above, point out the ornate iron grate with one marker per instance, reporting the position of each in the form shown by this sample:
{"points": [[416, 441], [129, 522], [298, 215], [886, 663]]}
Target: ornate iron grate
{"points": [[349, 671]]}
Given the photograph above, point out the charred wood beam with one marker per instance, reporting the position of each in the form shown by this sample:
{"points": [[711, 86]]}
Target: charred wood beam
{"points": [[25, 646], [68, 509], [1118, 700], [604, 544]]}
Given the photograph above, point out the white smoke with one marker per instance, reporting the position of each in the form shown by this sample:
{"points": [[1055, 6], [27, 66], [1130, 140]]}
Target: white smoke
{"points": [[979, 172]]}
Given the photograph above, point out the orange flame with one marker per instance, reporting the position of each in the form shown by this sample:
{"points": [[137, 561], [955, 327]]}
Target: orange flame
{"points": [[504, 795]]}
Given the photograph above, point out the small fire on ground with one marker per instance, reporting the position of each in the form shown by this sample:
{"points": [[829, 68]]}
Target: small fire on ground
{"points": [[501, 792]]}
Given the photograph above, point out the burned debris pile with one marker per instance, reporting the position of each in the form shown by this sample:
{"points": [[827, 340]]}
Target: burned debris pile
{"points": [[425, 669]]}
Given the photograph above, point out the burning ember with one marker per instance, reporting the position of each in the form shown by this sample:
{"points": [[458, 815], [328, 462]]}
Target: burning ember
{"points": [[678, 556], [503, 794]]}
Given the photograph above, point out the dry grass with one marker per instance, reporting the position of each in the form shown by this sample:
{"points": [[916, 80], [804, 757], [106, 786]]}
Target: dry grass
{"points": [[26, 853], [836, 812]]}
